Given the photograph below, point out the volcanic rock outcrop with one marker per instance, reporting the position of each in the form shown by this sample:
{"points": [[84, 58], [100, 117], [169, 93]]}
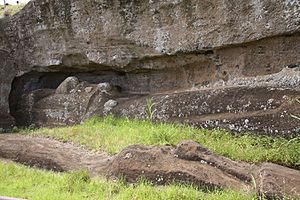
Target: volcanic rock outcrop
{"points": [[188, 162], [232, 64]]}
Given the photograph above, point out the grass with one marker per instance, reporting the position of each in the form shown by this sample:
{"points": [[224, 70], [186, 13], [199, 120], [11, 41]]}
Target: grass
{"points": [[112, 135], [10, 9], [22, 182]]}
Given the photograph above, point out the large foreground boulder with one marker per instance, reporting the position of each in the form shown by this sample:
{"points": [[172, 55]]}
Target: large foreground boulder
{"points": [[188, 162]]}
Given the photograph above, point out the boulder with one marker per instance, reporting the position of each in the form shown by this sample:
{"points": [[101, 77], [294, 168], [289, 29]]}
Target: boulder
{"points": [[188, 162], [274, 181], [109, 105], [162, 166], [67, 85]]}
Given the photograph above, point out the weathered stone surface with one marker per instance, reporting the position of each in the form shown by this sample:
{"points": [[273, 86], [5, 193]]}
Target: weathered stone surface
{"points": [[172, 50], [161, 166], [231, 64], [75, 33], [109, 105], [192, 151], [104, 87], [262, 105], [6, 76], [275, 181], [188, 162], [67, 85], [264, 110]]}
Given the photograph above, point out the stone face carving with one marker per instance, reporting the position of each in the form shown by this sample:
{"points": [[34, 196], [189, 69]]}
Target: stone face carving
{"points": [[168, 50]]}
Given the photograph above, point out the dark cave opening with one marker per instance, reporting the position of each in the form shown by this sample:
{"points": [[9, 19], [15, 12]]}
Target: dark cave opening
{"points": [[44, 84], [135, 82], [27, 83], [48, 82]]}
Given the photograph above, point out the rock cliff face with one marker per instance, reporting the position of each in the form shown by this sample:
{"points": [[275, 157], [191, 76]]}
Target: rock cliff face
{"points": [[221, 63]]}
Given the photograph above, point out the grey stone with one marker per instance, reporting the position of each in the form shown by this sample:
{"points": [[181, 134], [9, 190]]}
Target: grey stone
{"points": [[104, 87], [67, 85], [109, 105]]}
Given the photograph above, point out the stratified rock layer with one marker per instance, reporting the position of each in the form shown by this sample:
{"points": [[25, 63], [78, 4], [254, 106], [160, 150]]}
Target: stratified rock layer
{"points": [[229, 64]]}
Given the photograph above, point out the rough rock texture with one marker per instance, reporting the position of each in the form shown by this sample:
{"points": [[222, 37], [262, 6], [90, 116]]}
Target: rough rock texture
{"points": [[237, 107], [188, 162], [7, 74], [164, 164], [274, 179], [67, 85], [264, 110], [175, 49]]}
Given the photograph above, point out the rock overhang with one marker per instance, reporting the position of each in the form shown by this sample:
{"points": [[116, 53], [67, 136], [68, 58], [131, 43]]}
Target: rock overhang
{"points": [[151, 47]]}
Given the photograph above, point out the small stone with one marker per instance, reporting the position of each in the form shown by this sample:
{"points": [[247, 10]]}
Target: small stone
{"points": [[203, 162], [88, 89], [104, 87], [270, 101], [127, 156], [231, 126], [109, 105]]}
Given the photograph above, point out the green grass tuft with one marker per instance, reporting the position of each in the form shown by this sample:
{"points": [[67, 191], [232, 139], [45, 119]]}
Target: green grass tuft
{"points": [[22, 182], [112, 135]]}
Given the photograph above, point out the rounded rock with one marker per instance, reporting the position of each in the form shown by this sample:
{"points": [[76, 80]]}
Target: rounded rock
{"points": [[67, 85], [110, 103], [104, 87]]}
